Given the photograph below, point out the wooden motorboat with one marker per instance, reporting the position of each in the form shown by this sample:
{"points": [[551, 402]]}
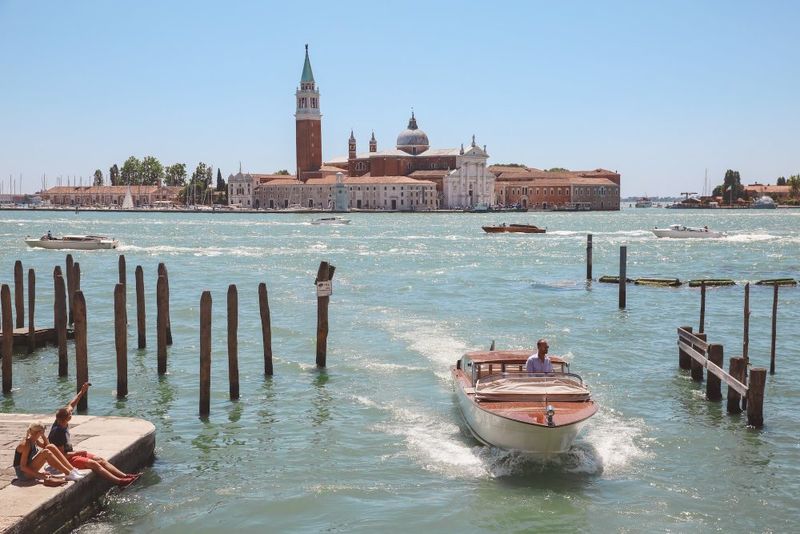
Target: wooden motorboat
{"points": [[73, 242], [506, 407], [520, 228], [331, 220], [687, 232]]}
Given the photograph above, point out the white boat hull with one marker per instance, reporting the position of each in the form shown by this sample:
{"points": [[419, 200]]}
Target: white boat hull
{"points": [[58, 244], [678, 234], [494, 430]]}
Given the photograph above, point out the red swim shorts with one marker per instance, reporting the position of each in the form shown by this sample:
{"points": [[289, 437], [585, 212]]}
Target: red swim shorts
{"points": [[80, 460]]}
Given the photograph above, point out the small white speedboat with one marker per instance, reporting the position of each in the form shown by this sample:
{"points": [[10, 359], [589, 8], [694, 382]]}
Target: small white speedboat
{"points": [[690, 232], [506, 407], [331, 220], [73, 242]]}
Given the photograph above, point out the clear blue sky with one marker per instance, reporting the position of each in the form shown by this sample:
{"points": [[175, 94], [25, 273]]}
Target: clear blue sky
{"points": [[659, 91]]}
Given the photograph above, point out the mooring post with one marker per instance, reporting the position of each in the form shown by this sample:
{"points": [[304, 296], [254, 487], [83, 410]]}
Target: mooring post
{"points": [[76, 278], [684, 360], [697, 368], [70, 286], [746, 329], [774, 329], [60, 322], [205, 353], [161, 323], [736, 370], [141, 324], [589, 256], [623, 275], [491, 347], [233, 342], [713, 383], [324, 277], [122, 275], [81, 346], [19, 295], [266, 327], [8, 336], [702, 306], [31, 306], [755, 397], [162, 271], [121, 339]]}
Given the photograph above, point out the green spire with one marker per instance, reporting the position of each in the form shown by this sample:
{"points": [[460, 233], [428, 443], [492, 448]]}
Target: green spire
{"points": [[307, 76]]}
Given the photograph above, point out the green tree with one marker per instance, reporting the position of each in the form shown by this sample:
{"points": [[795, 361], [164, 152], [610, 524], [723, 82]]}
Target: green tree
{"points": [[98, 177], [283, 172], [113, 175], [731, 187], [151, 171], [794, 185], [781, 181], [220, 181], [558, 169], [130, 173], [175, 175]]}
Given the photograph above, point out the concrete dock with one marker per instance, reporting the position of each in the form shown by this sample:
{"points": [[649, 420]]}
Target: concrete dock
{"points": [[31, 507]]}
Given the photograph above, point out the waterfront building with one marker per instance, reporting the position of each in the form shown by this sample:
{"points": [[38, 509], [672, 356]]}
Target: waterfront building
{"points": [[537, 189], [110, 195], [241, 188], [461, 177], [779, 193], [308, 125]]}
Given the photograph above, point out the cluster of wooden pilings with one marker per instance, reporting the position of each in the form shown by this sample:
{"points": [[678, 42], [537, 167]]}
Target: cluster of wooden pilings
{"points": [[70, 309]]}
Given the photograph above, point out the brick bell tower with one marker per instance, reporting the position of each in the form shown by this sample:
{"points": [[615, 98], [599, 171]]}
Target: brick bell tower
{"points": [[308, 125]]}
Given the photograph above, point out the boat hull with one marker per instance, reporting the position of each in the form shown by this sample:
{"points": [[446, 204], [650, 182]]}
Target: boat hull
{"points": [[521, 229], [58, 244], [665, 232]]}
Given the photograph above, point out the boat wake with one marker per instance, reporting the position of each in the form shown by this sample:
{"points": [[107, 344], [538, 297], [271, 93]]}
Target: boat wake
{"points": [[750, 238], [431, 341]]}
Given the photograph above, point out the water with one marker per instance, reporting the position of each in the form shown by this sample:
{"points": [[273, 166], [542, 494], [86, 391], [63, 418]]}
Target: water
{"points": [[375, 443]]}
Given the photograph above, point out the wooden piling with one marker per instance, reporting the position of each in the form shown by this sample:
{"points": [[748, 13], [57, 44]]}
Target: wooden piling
{"points": [[684, 360], [60, 322], [713, 383], [589, 256], [7, 347], [266, 327], [774, 330], [697, 367], [746, 329], [737, 371], [76, 279], [31, 308], [491, 347], [19, 295], [324, 274], [81, 345], [623, 267], [141, 324], [121, 339], [233, 342], [162, 271], [755, 397], [70, 286], [205, 353], [121, 266], [161, 323], [702, 307]]}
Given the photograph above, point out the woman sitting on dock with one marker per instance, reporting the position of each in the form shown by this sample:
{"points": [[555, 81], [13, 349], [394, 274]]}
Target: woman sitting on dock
{"points": [[28, 459]]}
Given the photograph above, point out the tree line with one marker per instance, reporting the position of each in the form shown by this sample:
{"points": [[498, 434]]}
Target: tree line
{"points": [[732, 188], [150, 171]]}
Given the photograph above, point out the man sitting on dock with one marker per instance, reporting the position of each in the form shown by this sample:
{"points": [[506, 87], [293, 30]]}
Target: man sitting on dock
{"points": [[539, 362], [59, 436]]}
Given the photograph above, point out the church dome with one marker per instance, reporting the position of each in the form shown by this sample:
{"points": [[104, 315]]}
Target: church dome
{"points": [[412, 139]]}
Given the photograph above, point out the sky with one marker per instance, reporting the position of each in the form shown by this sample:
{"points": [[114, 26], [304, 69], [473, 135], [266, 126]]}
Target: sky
{"points": [[661, 92]]}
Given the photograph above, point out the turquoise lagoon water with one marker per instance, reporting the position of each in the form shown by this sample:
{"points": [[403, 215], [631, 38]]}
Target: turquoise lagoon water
{"points": [[375, 441]]}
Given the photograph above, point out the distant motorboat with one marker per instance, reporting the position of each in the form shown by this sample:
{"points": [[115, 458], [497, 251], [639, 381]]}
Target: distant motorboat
{"points": [[514, 228], [680, 231], [73, 242], [331, 220], [764, 203], [644, 202], [479, 208]]}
